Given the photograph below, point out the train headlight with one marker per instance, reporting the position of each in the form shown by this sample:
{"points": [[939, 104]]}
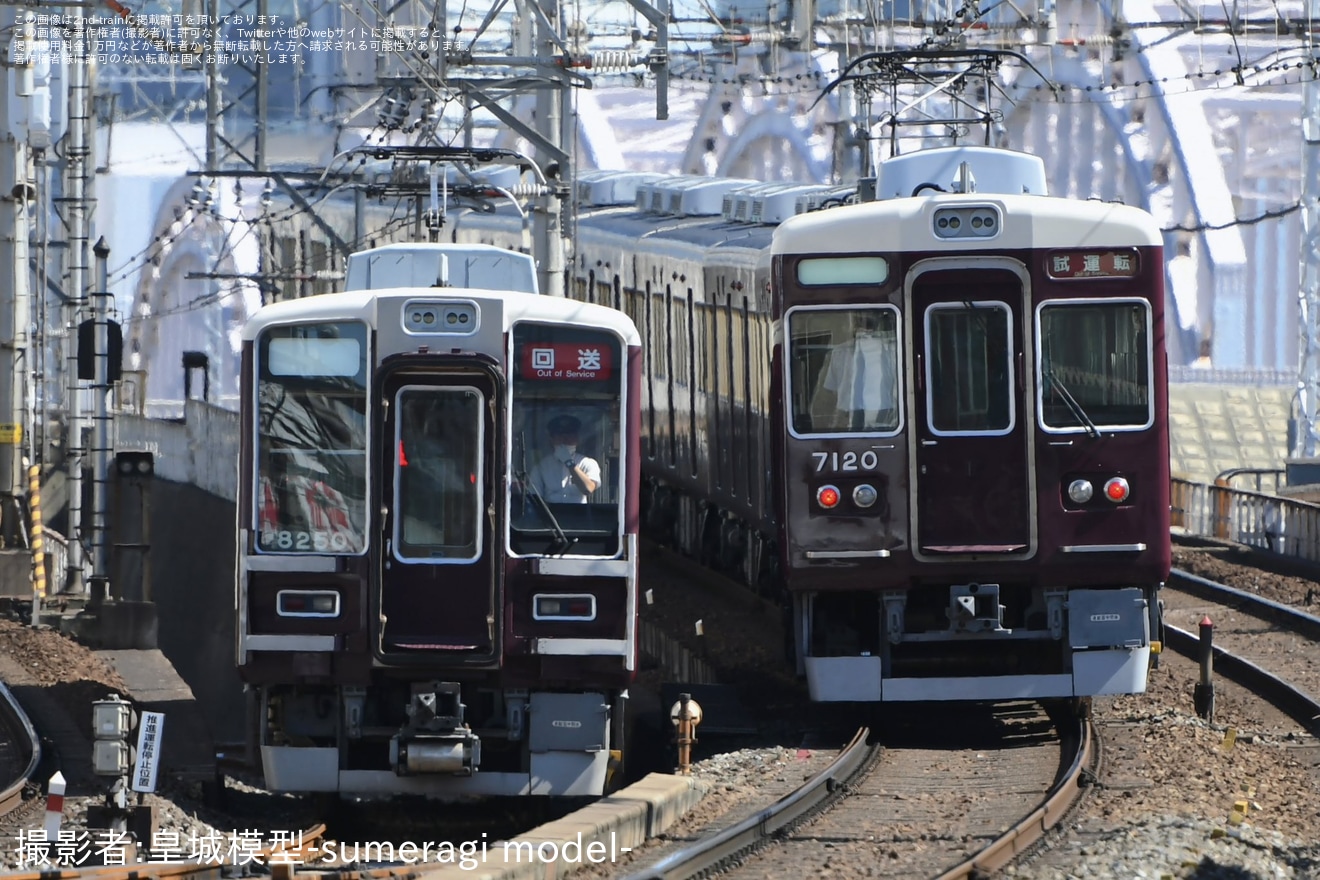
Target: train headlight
{"points": [[1116, 490], [563, 606], [307, 603], [865, 495], [1080, 491], [827, 497]]}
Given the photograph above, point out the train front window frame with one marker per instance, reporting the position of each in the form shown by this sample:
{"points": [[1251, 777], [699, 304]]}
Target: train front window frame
{"points": [[438, 478], [310, 439], [590, 394], [962, 391], [826, 346], [1096, 377]]}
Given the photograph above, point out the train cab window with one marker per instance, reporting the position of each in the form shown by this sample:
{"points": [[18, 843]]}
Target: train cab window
{"points": [[1094, 365], [843, 370], [566, 444], [969, 368], [311, 439], [437, 474]]}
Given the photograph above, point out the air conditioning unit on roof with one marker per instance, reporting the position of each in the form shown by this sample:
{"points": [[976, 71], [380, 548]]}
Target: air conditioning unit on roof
{"points": [[778, 204], [706, 197], [616, 188], [831, 196]]}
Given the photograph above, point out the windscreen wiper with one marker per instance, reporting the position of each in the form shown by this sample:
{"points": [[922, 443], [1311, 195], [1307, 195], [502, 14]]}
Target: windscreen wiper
{"points": [[1073, 406], [562, 541]]}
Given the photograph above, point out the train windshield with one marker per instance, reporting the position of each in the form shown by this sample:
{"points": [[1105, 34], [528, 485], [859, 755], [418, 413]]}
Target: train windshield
{"points": [[1095, 365], [311, 438], [566, 407], [843, 370]]}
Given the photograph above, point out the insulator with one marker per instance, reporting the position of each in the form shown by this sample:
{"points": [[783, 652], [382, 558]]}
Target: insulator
{"points": [[615, 61], [528, 190], [733, 38], [1079, 42]]}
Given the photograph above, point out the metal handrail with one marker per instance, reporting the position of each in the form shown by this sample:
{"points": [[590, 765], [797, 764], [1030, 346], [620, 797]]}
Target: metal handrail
{"points": [[1225, 478], [1287, 526]]}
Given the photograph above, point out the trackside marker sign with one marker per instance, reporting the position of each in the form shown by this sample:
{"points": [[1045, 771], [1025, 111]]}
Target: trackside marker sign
{"points": [[148, 751]]}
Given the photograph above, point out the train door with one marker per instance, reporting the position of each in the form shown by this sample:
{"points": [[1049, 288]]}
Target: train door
{"points": [[438, 578], [972, 423]]}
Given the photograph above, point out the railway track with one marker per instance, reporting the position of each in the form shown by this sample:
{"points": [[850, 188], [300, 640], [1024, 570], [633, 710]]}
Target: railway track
{"points": [[20, 752], [1264, 645], [880, 806]]}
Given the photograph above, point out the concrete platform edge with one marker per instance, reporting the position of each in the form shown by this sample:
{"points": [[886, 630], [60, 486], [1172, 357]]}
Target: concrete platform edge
{"points": [[597, 834]]}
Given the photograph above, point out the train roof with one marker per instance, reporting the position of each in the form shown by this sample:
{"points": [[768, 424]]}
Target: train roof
{"points": [[639, 224], [717, 233], [363, 305], [908, 225]]}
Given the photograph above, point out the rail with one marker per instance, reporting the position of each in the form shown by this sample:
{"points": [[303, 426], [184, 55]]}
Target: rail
{"points": [[729, 844], [1288, 616], [25, 736], [1025, 833], [1286, 526]]}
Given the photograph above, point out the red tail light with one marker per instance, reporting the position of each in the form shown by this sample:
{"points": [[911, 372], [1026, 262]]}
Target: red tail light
{"points": [[827, 497], [1117, 490]]}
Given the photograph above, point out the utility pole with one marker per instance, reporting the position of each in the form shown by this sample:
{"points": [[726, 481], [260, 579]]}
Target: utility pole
{"points": [[553, 109], [78, 208], [16, 81], [1307, 432], [101, 451]]}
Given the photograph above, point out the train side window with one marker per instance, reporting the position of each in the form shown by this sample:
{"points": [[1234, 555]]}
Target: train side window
{"points": [[692, 380], [737, 351], [659, 318], [723, 334], [705, 327], [682, 353], [1094, 361], [843, 370], [969, 368]]}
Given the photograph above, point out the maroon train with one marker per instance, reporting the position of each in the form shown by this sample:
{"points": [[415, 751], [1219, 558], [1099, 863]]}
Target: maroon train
{"points": [[933, 424]]}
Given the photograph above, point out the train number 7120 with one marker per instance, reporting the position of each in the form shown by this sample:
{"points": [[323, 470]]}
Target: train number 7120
{"points": [[846, 461]]}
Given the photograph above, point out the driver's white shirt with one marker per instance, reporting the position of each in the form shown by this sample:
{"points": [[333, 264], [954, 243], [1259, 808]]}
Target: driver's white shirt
{"points": [[555, 482]]}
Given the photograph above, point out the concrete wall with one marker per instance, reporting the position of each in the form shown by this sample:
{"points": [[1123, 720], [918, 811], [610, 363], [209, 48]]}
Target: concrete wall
{"points": [[191, 558], [191, 572], [201, 450]]}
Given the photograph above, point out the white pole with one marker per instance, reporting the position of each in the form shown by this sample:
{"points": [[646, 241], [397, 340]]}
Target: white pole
{"points": [[54, 806]]}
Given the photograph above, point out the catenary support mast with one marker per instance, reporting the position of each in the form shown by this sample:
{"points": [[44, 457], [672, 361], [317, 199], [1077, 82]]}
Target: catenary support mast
{"points": [[1308, 380]]}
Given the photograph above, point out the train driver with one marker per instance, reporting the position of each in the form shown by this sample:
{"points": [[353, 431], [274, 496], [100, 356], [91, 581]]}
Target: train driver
{"points": [[566, 476]]}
